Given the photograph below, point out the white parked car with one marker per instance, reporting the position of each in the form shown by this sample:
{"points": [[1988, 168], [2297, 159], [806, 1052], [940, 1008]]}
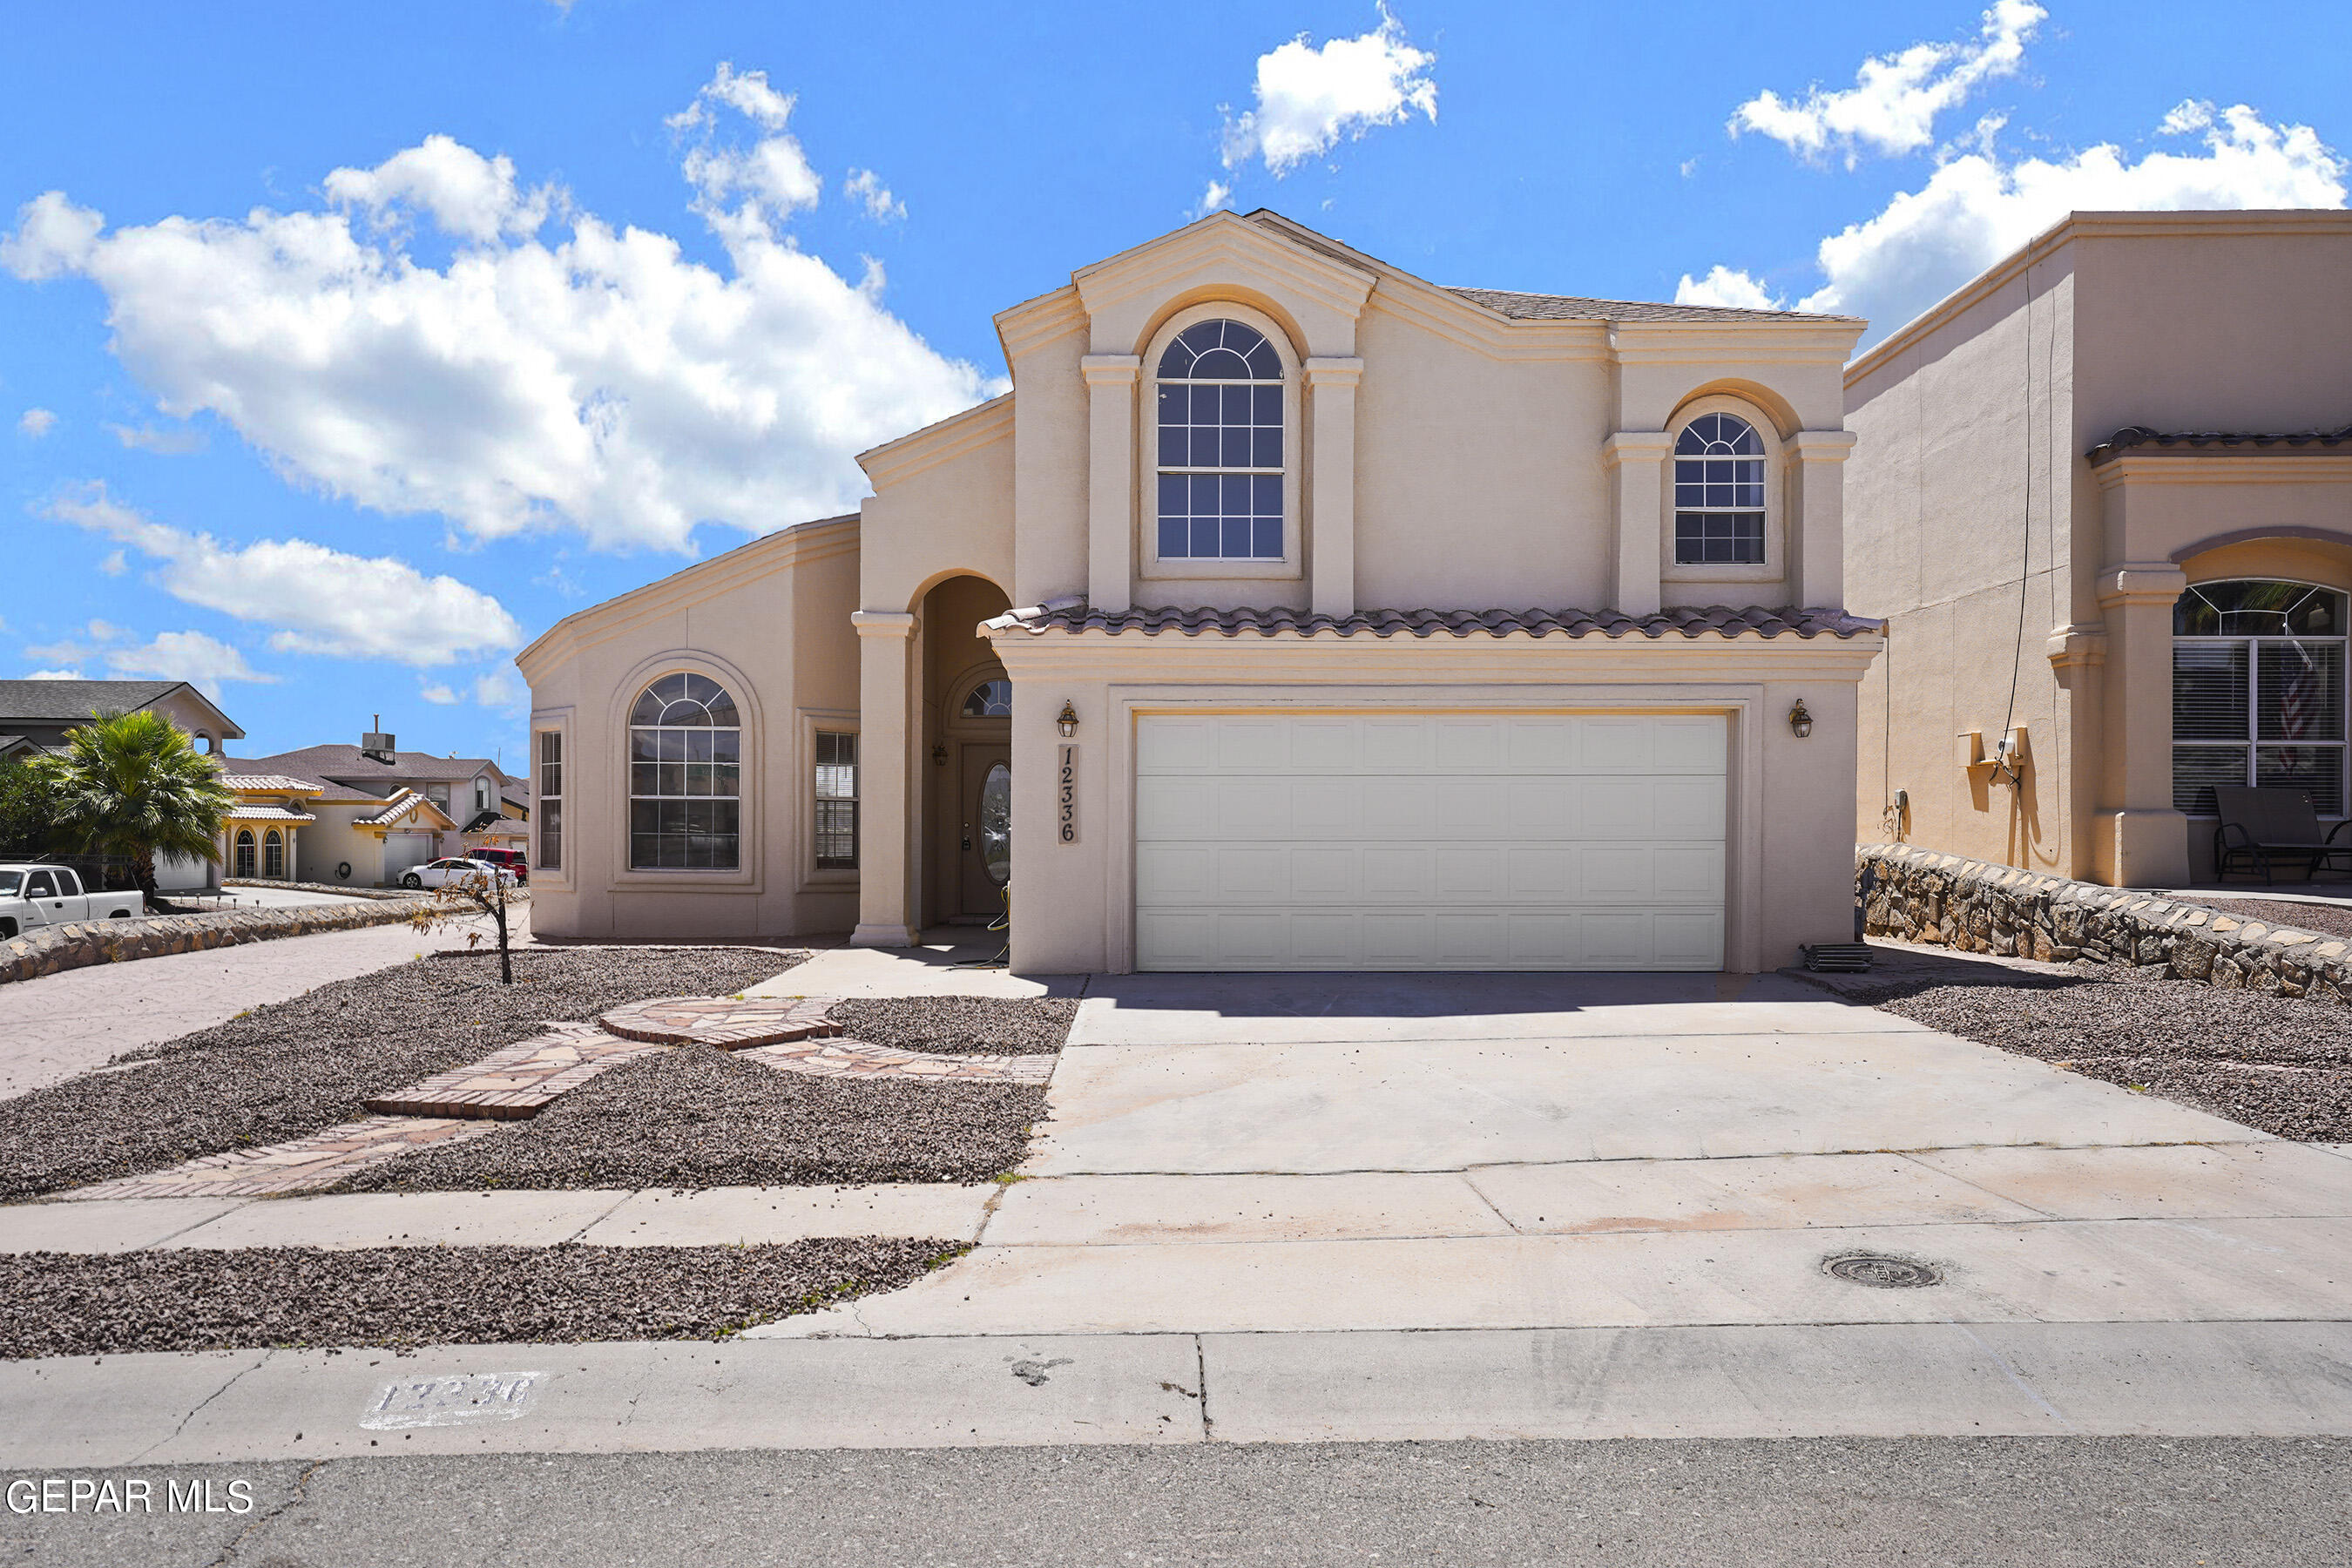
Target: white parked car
{"points": [[456, 869], [35, 896]]}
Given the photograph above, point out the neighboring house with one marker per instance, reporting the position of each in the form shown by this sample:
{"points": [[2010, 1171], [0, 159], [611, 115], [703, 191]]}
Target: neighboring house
{"points": [[261, 837], [36, 714], [2105, 494], [1365, 624], [380, 810]]}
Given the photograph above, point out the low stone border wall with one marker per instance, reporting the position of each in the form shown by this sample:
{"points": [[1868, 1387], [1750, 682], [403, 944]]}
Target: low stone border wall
{"points": [[77, 946], [1973, 906]]}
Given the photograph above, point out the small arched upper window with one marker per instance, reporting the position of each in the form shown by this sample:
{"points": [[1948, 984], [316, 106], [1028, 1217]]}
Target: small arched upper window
{"points": [[686, 765], [1718, 493], [989, 700], [1221, 459]]}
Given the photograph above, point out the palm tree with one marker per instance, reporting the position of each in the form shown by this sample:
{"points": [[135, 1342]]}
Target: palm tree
{"points": [[132, 785]]}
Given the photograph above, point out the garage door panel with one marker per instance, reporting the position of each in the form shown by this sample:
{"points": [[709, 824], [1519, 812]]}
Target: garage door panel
{"points": [[1471, 809], [1431, 841]]}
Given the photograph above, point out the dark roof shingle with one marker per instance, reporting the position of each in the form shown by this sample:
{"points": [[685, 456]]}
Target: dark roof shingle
{"points": [[1575, 308], [2132, 435], [75, 699], [1717, 620]]}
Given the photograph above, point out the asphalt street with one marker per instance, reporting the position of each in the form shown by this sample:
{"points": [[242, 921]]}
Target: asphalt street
{"points": [[1823, 1503]]}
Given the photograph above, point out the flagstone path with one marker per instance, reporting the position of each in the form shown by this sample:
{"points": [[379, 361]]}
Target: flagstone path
{"points": [[516, 1081]]}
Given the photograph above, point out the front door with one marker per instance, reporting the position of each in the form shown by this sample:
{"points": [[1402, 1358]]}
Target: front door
{"points": [[985, 827]]}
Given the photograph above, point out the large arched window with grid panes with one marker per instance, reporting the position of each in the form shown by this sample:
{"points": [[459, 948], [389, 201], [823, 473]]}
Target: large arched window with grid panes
{"points": [[1221, 455], [2258, 692], [1718, 493], [686, 777]]}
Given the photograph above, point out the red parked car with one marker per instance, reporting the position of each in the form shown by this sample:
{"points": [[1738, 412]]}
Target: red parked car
{"points": [[511, 859]]}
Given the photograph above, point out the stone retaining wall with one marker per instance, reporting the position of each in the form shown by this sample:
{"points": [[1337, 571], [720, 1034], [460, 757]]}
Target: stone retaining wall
{"points": [[77, 946], [1918, 895]]}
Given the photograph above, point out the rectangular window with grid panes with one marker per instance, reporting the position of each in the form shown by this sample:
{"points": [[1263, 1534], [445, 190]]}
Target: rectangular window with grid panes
{"points": [[837, 801], [550, 785]]}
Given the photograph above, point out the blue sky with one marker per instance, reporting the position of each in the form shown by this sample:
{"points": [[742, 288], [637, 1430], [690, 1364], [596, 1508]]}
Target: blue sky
{"points": [[341, 356]]}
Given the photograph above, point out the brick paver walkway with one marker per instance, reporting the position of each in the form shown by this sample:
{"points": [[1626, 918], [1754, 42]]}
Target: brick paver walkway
{"points": [[726, 1022], [514, 1082], [856, 1058], [318, 1160]]}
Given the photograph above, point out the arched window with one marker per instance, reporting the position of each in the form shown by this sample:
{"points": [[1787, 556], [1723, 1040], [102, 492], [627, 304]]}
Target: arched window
{"points": [[1718, 493], [686, 765], [989, 700], [273, 856], [2258, 691], [241, 861], [1221, 460]]}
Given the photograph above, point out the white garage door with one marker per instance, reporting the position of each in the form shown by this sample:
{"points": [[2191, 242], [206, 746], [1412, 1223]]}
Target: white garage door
{"points": [[404, 851], [1430, 841]]}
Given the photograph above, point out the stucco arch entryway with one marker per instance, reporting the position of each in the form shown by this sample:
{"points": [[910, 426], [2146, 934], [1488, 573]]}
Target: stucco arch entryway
{"points": [[967, 732]]}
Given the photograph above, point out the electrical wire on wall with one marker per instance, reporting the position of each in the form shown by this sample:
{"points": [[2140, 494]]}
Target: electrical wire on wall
{"points": [[2005, 765]]}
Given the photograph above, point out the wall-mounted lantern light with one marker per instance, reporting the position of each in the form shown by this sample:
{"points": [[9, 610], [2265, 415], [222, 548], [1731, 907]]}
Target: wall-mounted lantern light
{"points": [[1066, 721], [1800, 721], [939, 756]]}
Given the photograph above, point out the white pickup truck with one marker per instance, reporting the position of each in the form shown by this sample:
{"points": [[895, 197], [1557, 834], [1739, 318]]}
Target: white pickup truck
{"points": [[35, 896]]}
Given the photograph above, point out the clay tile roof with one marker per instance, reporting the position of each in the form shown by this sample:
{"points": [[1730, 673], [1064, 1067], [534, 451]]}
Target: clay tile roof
{"points": [[1717, 620], [270, 784], [398, 806], [2132, 435], [267, 813], [1576, 308]]}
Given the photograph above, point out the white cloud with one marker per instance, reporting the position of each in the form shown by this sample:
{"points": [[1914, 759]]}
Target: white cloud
{"points": [[53, 675], [1893, 105], [319, 601], [114, 565], [1978, 208], [35, 423], [164, 440], [433, 692], [1218, 194], [502, 689], [467, 196], [583, 375], [866, 186], [1726, 286], [1309, 98], [201, 661]]}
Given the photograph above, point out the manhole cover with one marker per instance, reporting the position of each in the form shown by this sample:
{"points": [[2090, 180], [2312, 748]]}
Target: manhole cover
{"points": [[1886, 1273]]}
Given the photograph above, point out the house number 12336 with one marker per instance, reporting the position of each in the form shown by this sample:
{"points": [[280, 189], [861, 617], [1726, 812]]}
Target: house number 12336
{"points": [[1066, 796]]}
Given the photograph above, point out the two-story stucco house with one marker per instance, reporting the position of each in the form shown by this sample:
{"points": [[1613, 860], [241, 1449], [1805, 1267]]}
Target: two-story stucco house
{"points": [[2103, 496], [365, 814], [1291, 613]]}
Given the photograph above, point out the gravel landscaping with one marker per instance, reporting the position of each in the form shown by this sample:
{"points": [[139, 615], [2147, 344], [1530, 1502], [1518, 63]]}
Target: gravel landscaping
{"points": [[2277, 1063], [298, 1066], [2329, 920], [56, 1303], [693, 1117], [960, 1026]]}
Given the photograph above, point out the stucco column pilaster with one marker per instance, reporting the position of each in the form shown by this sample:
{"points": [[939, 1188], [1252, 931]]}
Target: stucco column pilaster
{"points": [[1636, 462], [1818, 574], [1111, 479], [1331, 474], [888, 853], [2142, 841]]}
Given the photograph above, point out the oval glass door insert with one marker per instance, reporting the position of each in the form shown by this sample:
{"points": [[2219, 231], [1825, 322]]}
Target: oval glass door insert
{"points": [[996, 824]]}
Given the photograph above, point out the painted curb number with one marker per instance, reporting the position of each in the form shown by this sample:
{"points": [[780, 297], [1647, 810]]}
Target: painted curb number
{"points": [[451, 1401]]}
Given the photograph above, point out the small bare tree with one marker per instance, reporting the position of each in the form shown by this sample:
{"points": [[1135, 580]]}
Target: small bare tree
{"points": [[462, 899]]}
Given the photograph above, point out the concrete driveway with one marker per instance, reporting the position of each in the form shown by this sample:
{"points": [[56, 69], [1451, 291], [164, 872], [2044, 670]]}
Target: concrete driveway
{"points": [[1424, 1206]]}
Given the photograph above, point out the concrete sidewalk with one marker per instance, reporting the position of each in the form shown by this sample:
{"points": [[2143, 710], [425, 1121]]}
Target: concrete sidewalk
{"points": [[1925, 1379], [717, 1216]]}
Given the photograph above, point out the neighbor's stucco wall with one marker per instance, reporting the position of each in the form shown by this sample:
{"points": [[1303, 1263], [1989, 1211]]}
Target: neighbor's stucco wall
{"points": [[1969, 475]]}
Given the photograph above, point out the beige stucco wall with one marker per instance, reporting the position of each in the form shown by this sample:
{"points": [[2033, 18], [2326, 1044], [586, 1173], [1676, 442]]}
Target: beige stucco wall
{"points": [[1969, 500], [1790, 849], [768, 621]]}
